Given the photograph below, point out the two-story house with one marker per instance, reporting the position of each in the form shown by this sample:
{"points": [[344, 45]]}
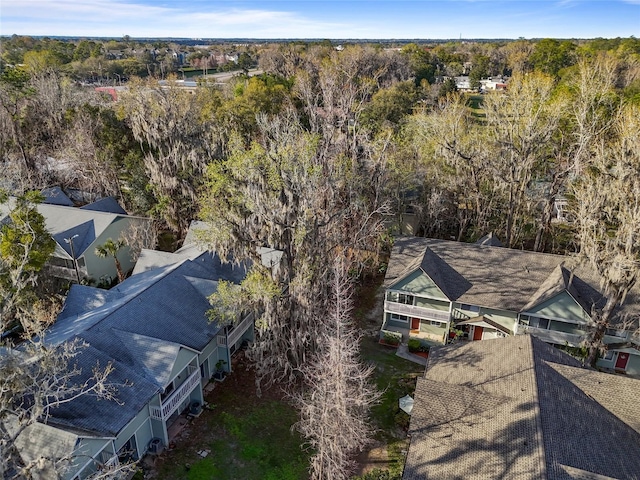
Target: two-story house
{"points": [[154, 329], [77, 232], [486, 291]]}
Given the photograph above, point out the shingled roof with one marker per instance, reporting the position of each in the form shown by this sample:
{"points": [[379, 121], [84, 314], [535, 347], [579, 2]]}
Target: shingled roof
{"points": [[519, 408], [499, 278], [139, 326]]}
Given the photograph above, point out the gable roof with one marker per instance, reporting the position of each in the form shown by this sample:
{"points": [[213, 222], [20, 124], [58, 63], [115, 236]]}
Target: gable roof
{"points": [[39, 441], [107, 205], [139, 326], [561, 279], [65, 222], [519, 408], [56, 196], [489, 240], [499, 278]]}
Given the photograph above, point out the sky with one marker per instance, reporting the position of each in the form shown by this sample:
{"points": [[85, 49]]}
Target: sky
{"points": [[338, 19]]}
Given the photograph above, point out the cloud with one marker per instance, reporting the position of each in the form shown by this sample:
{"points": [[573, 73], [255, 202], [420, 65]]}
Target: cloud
{"points": [[196, 19]]}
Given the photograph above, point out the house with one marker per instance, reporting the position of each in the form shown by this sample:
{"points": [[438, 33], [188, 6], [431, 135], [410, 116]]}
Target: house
{"points": [[78, 231], [153, 328], [519, 408], [486, 291]]}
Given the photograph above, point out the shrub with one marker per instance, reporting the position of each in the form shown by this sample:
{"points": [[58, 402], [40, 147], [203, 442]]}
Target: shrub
{"points": [[414, 345], [392, 338]]}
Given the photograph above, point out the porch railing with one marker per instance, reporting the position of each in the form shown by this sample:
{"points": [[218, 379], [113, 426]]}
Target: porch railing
{"points": [[416, 311], [552, 336], [174, 400], [239, 330], [108, 460]]}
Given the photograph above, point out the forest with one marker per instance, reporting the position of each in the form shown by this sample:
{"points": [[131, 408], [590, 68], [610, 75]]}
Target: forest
{"points": [[324, 152]]}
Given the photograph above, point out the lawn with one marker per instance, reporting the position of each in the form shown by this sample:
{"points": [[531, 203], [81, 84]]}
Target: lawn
{"points": [[246, 437], [249, 438]]}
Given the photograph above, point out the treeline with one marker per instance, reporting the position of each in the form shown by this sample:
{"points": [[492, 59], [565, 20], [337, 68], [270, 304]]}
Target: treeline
{"points": [[329, 150], [151, 147]]}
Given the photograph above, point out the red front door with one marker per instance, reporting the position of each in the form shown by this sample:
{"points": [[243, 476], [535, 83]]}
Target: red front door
{"points": [[415, 323], [477, 333], [621, 363]]}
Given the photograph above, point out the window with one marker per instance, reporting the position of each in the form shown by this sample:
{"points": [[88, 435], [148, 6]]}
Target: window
{"points": [[609, 355], [397, 297], [80, 262], [538, 322], [406, 299], [399, 318], [470, 308]]}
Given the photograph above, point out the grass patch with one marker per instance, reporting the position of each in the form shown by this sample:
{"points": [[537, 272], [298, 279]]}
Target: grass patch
{"points": [[474, 102], [395, 377], [251, 442], [204, 469], [260, 444]]}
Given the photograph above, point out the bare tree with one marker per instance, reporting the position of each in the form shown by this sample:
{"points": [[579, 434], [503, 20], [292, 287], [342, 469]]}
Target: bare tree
{"points": [[607, 210], [455, 139], [173, 133], [34, 380], [138, 236], [336, 397], [589, 109], [290, 191], [520, 125]]}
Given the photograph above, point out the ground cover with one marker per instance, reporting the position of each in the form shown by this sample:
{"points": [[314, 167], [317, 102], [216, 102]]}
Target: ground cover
{"points": [[246, 437]]}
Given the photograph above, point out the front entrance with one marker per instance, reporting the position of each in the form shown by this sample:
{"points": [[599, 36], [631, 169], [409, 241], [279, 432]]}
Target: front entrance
{"points": [[477, 333], [415, 323], [621, 362]]}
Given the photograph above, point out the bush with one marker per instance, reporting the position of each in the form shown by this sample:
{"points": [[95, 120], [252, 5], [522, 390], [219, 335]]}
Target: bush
{"points": [[402, 419], [414, 345], [392, 338]]}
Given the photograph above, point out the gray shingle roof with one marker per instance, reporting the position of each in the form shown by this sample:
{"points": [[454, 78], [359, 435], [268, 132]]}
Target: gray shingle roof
{"points": [[139, 326], [519, 408], [500, 278], [55, 196], [107, 205], [40, 441], [490, 240]]}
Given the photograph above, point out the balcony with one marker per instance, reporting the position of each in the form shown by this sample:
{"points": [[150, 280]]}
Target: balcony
{"points": [[415, 311], [552, 336], [108, 460], [239, 330], [173, 402], [230, 339]]}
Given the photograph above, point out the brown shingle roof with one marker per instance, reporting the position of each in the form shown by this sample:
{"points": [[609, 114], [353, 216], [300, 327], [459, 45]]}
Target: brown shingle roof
{"points": [[500, 278], [519, 408]]}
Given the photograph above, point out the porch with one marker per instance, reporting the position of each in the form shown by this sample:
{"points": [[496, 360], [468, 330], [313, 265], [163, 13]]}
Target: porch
{"points": [[428, 334], [416, 311], [171, 404]]}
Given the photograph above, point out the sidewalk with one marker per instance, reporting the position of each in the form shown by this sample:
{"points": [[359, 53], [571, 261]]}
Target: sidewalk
{"points": [[403, 352]]}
